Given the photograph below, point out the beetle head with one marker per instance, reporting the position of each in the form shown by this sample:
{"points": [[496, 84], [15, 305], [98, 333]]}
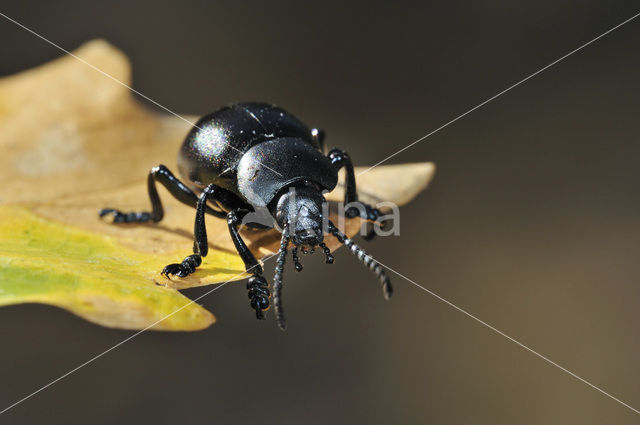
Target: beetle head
{"points": [[300, 208]]}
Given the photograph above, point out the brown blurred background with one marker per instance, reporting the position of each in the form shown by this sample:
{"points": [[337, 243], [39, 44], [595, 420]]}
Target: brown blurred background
{"points": [[532, 222]]}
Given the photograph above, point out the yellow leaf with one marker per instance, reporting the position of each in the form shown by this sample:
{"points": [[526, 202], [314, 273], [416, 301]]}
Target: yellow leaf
{"points": [[75, 141], [69, 136], [90, 275]]}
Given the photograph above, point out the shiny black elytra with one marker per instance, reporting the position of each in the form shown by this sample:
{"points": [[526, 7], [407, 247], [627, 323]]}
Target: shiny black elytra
{"points": [[254, 155]]}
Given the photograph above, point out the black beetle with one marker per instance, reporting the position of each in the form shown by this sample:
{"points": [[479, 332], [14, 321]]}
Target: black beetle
{"points": [[254, 155]]}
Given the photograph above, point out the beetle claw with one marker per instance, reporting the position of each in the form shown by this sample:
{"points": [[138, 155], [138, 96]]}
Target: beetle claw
{"points": [[183, 269], [118, 216], [327, 252], [170, 269], [296, 260]]}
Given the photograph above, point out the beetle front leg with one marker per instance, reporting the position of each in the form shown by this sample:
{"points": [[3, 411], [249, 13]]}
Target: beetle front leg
{"points": [[339, 159], [179, 190], [257, 284]]}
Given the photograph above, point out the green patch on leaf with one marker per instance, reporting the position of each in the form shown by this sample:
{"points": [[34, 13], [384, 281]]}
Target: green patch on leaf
{"points": [[42, 261]]}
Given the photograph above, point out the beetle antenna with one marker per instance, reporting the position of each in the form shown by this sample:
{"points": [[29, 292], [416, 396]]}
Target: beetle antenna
{"points": [[327, 253], [277, 280], [296, 260], [365, 258]]}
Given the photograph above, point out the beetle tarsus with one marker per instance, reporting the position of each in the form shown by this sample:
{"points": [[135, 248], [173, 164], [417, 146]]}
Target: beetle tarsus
{"points": [[373, 216], [296, 260], [327, 253], [258, 295], [120, 217], [185, 268]]}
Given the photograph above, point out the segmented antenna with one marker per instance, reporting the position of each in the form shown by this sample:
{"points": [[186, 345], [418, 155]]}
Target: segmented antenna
{"points": [[277, 280], [365, 258]]}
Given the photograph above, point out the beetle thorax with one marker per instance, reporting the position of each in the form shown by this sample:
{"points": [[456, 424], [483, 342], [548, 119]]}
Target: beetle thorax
{"points": [[300, 208]]}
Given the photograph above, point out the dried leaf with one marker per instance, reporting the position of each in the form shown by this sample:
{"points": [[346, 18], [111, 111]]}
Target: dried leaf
{"points": [[74, 141], [388, 183]]}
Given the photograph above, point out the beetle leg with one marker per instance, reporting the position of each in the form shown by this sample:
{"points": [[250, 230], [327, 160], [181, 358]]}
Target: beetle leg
{"points": [[179, 190], [200, 243], [296, 260], [257, 284], [339, 159], [373, 215]]}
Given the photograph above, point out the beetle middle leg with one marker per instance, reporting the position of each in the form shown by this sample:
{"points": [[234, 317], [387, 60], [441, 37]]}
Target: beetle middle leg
{"points": [[340, 159], [179, 190]]}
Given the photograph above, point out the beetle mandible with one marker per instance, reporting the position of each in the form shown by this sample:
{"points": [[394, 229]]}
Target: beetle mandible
{"points": [[256, 155]]}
